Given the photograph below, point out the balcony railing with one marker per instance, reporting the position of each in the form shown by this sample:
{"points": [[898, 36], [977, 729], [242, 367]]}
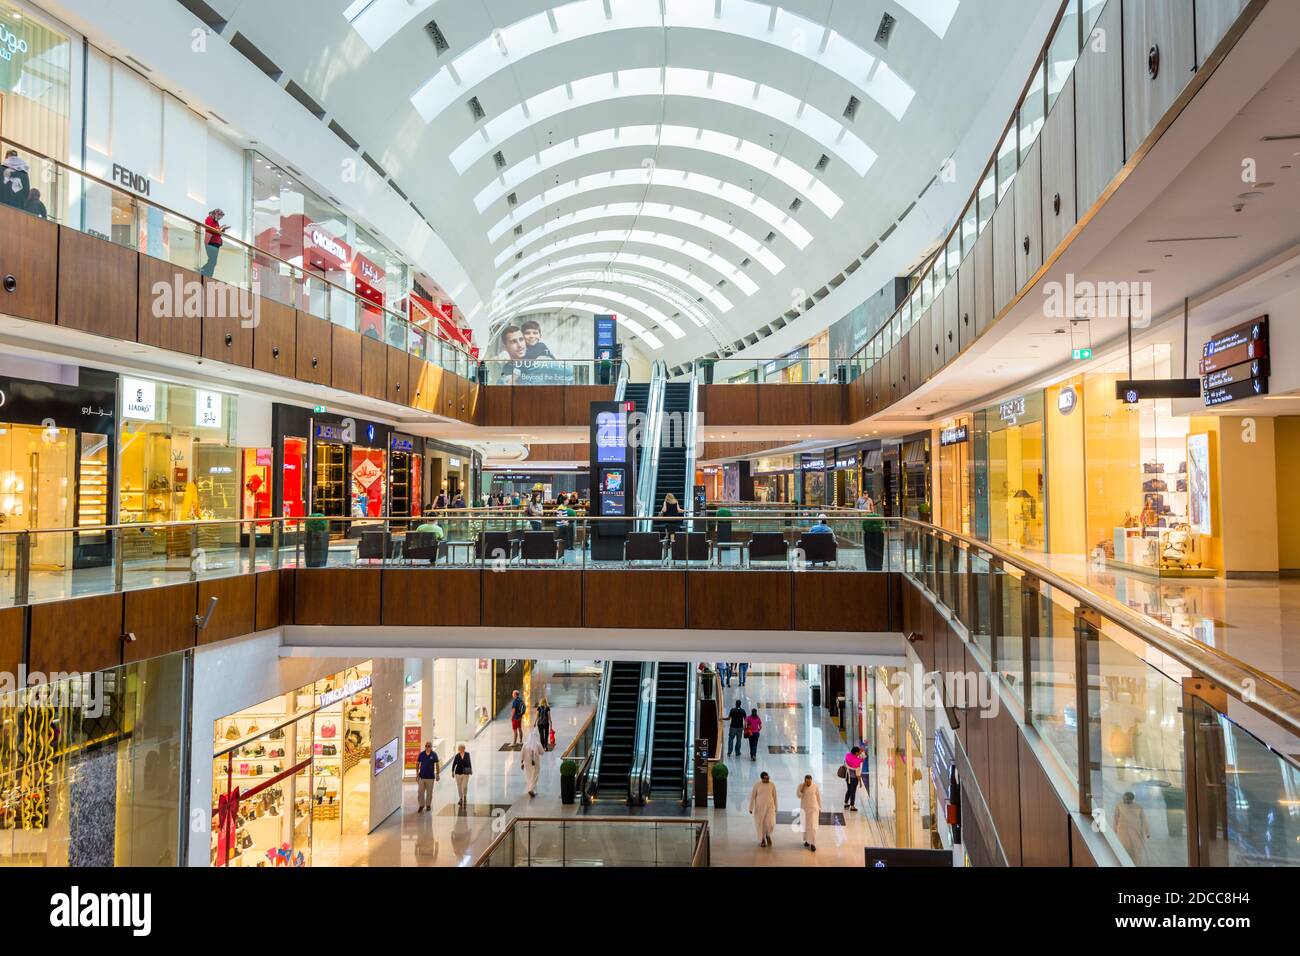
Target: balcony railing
{"points": [[599, 841]]}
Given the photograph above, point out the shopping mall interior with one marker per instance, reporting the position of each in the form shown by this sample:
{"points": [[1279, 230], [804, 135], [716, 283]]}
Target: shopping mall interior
{"points": [[483, 434]]}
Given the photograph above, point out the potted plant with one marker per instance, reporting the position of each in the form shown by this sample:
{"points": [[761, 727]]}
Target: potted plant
{"points": [[873, 541], [568, 781], [317, 544], [719, 771]]}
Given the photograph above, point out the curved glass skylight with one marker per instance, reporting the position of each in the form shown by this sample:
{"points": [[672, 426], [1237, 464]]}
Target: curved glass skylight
{"points": [[633, 326], [623, 261], [744, 19], [779, 221], [631, 303], [735, 91], [685, 215], [644, 237], [673, 296], [802, 181]]}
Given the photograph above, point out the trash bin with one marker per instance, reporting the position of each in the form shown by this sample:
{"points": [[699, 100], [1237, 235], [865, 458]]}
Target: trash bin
{"points": [[816, 695]]}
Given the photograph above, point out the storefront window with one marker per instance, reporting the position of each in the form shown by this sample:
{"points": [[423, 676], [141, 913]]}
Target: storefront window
{"points": [[35, 101], [953, 476], [1009, 468]]}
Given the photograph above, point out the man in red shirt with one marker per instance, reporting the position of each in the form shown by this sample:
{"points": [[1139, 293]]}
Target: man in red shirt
{"points": [[213, 230]]}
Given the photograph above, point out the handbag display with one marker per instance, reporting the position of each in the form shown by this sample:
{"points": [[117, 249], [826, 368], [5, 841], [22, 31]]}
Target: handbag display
{"points": [[1153, 468], [1155, 484], [329, 750], [328, 729], [232, 731]]}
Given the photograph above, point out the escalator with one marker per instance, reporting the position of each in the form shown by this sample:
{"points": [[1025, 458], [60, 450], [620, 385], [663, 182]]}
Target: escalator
{"points": [[670, 476], [638, 393], [670, 736], [618, 730]]}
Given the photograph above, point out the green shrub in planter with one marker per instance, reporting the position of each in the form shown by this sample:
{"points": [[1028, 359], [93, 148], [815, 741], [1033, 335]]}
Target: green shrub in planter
{"points": [[719, 771], [568, 781], [317, 544]]}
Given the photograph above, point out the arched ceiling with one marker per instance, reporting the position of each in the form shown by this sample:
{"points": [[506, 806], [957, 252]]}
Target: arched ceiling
{"points": [[690, 165]]}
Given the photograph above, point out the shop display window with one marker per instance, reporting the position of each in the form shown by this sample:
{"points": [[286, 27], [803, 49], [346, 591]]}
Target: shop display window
{"points": [[330, 485], [369, 482], [293, 478], [38, 476], [257, 483], [291, 776], [952, 476], [1010, 473]]}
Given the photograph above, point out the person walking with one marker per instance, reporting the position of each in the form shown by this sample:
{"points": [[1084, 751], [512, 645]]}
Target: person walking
{"points": [[1131, 828], [742, 669], [215, 234], [17, 182], [542, 719], [852, 774], [810, 808], [530, 760], [426, 775], [724, 671], [753, 727], [517, 710], [735, 729], [762, 804], [461, 770]]}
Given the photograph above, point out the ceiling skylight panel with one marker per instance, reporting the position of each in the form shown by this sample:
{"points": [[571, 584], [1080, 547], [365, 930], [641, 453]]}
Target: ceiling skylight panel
{"points": [[636, 210], [672, 296], [935, 15], [583, 18], [735, 91], [631, 325], [778, 220], [628, 302], [628, 260], [378, 21]]}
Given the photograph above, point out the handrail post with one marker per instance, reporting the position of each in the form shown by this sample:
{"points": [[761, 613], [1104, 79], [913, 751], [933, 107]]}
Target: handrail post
{"points": [[22, 568], [276, 527], [119, 569], [1087, 632], [1030, 601], [996, 622], [252, 544], [194, 552]]}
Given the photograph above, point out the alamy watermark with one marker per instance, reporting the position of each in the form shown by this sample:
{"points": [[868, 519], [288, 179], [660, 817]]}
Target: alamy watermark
{"points": [[1075, 299], [59, 689], [195, 299]]}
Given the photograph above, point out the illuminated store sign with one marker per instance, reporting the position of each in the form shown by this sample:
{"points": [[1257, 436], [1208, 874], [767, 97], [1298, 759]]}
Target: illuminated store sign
{"points": [[347, 690], [139, 399], [207, 409], [1012, 411], [955, 435]]}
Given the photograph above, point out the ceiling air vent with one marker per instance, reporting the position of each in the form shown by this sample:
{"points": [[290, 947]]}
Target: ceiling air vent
{"points": [[885, 29], [851, 110], [342, 134], [500, 159], [721, 283], [795, 204], [519, 230], [744, 263], [256, 57], [823, 162], [513, 199], [476, 108], [307, 103], [374, 165], [210, 17], [769, 237], [439, 41]]}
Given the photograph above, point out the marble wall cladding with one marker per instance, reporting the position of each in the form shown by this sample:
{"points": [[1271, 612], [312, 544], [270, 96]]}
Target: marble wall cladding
{"points": [[387, 684], [92, 809]]}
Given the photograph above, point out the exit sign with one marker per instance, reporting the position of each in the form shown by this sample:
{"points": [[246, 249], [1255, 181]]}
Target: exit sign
{"points": [[1078, 354], [318, 410]]}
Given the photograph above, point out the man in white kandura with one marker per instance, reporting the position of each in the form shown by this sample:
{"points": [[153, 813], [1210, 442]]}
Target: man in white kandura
{"points": [[762, 804], [530, 760], [810, 806]]}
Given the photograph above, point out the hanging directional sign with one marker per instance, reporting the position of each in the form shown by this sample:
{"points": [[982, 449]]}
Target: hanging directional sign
{"points": [[1234, 363]]}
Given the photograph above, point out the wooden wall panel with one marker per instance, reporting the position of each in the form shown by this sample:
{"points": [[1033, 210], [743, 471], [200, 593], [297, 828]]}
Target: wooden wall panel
{"points": [[431, 597], [830, 404], [98, 285], [744, 600], [532, 598], [1167, 26], [1080, 855], [967, 325], [982, 261], [419, 376], [13, 632], [938, 354], [783, 404], [29, 253], [345, 359], [1006, 248], [1212, 22], [495, 405], [619, 599], [341, 596], [449, 394], [374, 368], [275, 338], [236, 612], [1044, 824], [536, 406], [578, 399], [731, 404], [1028, 188], [164, 299], [1058, 199], [162, 620], [827, 600], [84, 634], [464, 387], [267, 599], [1001, 785], [472, 394], [314, 345], [1099, 109], [857, 399], [226, 337], [952, 334], [396, 389]]}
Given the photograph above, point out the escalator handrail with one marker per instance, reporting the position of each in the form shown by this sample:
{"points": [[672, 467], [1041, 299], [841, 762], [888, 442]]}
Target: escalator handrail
{"points": [[688, 500], [620, 385], [638, 780], [650, 438], [589, 774], [688, 764]]}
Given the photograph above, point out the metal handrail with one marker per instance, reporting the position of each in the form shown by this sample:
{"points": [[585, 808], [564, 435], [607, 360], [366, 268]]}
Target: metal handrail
{"points": [[699, 856], [586, 727], [620, 383], [638, 781], [688, 499], [651, 435], [692, 692], [1262, 692], [589, 774], [254, 251]]}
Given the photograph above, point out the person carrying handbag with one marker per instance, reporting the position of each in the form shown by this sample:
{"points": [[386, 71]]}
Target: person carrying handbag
{"points": [[851, 772], [753, 727]]}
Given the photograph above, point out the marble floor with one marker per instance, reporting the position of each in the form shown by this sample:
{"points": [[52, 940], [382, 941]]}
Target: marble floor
{"points": [[796, 740]]}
